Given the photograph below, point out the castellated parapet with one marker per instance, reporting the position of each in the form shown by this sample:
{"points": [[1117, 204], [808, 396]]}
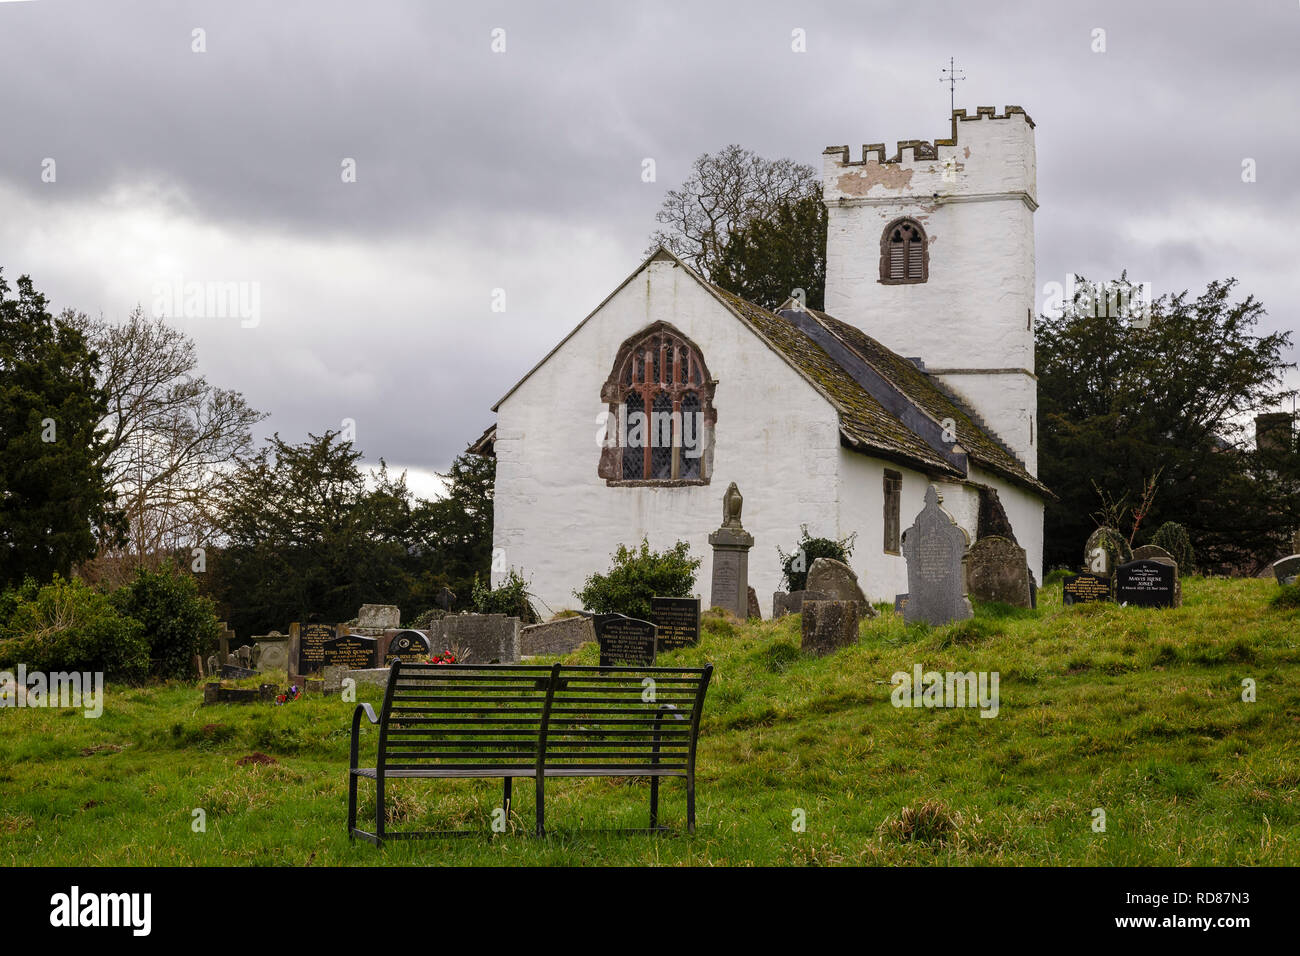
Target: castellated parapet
{"points": [[988, 153], [969, 319]]}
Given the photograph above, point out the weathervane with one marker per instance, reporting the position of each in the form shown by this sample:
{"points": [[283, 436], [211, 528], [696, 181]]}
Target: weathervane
{"points": [[951, 79]]}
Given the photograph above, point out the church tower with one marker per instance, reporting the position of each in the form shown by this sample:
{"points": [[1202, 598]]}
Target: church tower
{"points": [[931, 253]]}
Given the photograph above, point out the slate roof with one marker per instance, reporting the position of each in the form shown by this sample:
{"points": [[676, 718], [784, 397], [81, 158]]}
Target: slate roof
{"points": [[865, 423]]}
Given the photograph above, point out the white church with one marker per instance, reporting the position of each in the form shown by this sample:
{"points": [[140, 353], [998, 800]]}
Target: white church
{"points": [[920, 371]]}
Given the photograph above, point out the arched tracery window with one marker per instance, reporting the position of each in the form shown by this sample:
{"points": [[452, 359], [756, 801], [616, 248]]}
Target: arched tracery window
{"points": [[904, 256], [661, 417]]}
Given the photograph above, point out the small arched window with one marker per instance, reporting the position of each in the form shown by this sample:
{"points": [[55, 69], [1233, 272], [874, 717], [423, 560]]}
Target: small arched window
{"points": [[904, 256], [661, 417]]}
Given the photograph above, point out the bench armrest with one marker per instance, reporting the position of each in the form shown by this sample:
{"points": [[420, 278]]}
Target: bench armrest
{"points": [[356, 729]]}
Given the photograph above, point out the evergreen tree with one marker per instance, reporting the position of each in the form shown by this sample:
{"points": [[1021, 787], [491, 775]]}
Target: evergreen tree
{"points": [[54, 496]]}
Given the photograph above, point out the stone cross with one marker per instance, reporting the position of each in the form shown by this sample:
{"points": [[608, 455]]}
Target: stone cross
{"points": [[935, 549]]}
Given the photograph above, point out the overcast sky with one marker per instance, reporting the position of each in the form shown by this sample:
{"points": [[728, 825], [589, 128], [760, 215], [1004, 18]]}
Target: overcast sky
{"points": [[521, 170]]}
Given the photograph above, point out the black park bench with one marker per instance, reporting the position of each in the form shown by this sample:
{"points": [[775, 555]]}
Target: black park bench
{"points": [[531, 721]]}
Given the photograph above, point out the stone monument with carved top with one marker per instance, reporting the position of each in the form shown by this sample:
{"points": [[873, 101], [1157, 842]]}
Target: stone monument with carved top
{"points": [[731, 544], [935, 549]]}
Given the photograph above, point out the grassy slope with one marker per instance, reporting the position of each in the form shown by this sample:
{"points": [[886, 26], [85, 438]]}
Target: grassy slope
{"points": [[1138, 712]]}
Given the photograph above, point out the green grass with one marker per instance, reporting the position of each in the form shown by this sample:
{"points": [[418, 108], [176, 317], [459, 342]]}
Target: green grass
{"points": [[1138, 712]]}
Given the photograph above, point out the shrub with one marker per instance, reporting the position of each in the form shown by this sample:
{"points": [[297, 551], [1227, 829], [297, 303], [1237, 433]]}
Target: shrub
{"points": [[1287, 597], [66, 626], [179, 623], [1173, 538], [795, 566], [638, 575], [512, 598]]}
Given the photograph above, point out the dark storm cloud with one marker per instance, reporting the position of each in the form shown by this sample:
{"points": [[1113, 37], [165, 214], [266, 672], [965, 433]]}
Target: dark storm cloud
{"points": [[522, 170]]}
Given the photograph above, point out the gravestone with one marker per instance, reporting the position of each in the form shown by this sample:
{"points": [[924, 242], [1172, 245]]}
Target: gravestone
{"points": [[409, 646], [935, 549], [625, 641], [836, 579], [556, 637], [678, 621], [731, 544], [214, 665], [996, 570], [482, 638], [1084, 588], [311, 646], [1105, 551], [755, 612], [900, 602], [446, 597], [1146, 584], [235, 672], [792, 603], [828, 625], [378, 617], [1286, 570], [350, 650], [225, 638], [1151, 552], [274, 656]]}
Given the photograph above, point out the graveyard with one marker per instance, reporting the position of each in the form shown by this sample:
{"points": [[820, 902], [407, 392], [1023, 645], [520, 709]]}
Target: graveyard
{"points": [[803, 760]]}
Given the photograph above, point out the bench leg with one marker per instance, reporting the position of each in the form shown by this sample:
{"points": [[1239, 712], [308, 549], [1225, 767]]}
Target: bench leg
{"points": [[654, 802], [690, 804], [379, 806], [541, 805], [352, 805], [505, 802]]}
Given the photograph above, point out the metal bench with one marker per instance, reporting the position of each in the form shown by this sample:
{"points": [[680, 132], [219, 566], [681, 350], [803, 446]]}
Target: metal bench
{"points": [[531, 721]]}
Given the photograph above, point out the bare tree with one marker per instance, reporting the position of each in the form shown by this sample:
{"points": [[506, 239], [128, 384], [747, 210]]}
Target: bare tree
{"points": [[725, 192], [171, 438]]}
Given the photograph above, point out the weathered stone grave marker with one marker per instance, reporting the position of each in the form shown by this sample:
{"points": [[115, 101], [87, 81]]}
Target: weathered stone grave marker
{"points": [[731, 544], [997, 570], [556, 637], [828, 625], [935, 549]]}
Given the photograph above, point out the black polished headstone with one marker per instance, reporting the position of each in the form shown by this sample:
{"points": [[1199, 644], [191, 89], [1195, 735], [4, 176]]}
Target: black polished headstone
{"points": [[1145, 584], [411, 647], [624, 641], [235, 672], [311, 646], [1084, 588], [351, 650], [678, 620]]}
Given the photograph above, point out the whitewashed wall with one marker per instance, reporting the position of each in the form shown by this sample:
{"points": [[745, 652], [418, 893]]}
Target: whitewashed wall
{"points": [[776, 437], [974, 310]]}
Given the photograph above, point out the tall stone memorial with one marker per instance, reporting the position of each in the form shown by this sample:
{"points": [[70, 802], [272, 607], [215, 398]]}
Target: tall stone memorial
{"points": [[731, 544], [935, 549]]}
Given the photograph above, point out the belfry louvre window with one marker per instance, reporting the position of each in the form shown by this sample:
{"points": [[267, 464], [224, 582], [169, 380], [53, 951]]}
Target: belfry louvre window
{"points": [[903, 253], [660, 402], [893, 510]]}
